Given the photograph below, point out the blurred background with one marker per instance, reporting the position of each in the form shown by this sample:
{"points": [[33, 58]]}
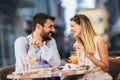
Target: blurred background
{"points": [[15, 21]]}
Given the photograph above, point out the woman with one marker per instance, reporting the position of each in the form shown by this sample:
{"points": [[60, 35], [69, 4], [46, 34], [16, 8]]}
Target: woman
{"points": [[87, 41]]}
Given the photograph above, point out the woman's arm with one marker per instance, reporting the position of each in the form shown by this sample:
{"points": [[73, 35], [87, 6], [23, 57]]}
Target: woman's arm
{"points": [[103, 52]]}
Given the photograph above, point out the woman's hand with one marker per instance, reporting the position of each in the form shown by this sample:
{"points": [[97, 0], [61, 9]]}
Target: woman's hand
{"points": [[79, 47], [88, 55], [36, 42]]}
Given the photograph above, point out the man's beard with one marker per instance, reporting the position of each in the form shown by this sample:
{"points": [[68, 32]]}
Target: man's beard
{"points": [[46, 36]]}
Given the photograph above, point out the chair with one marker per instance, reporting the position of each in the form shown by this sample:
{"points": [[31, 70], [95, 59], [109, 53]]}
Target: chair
{"points": [[5, 71], [114, 53], [114, 69]]}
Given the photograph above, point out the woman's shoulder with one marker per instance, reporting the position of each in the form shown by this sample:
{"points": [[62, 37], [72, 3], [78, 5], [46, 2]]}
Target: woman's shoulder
{"points": [[99, 39]]}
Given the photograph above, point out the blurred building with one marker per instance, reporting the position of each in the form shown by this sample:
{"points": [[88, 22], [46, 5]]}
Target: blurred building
{"points": [[15, 21], [8, 22], [113, 7]]}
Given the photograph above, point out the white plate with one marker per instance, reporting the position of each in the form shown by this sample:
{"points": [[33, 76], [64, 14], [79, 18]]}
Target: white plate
{"points": [[70, 66], [33, 70]]}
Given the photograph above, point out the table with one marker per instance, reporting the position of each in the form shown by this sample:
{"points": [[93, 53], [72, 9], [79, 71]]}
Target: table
{"points": [[47, 74]]}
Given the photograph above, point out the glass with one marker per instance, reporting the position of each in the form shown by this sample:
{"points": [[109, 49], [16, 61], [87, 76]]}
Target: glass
{"points": [[25, 65], [73, 53], [31, 58], [73, 57], [81, 60]]}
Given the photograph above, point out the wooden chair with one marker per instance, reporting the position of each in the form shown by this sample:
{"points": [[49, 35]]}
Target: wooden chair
{"points": [[114, 69], [114, 53], [5, 71]]}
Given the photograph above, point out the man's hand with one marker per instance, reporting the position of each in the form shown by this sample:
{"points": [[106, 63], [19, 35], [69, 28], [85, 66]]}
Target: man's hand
{"points": [[36, 42]]}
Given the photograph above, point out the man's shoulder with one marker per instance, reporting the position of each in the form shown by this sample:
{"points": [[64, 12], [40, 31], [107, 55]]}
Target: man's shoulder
{"points": [[21, 40]]}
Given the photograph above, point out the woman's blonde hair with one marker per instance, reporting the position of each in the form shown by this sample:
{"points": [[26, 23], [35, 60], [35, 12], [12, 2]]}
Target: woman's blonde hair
{"points": [[88, 33]]}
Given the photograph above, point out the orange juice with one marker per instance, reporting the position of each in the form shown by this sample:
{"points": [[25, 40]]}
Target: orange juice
{"points": [[73, 59], [32, 60]]}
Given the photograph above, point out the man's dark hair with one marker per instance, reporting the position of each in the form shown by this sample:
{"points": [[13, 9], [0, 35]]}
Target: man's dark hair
{"points": [[40, 18]]}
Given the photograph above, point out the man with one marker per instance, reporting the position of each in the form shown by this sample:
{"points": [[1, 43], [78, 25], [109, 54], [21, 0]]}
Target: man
{"points": [[40, 41]]}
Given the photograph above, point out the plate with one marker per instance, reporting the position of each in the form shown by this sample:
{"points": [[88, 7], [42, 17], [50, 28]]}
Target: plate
{"points": [[33, 70], [70, 66]]}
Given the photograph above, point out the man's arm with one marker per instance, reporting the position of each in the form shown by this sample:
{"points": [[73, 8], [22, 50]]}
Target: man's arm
{"points": [[20, 52]]}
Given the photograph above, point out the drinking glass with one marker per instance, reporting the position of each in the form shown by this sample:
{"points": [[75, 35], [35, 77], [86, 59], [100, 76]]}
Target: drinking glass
{"points": [[31, 58], [73, 57], [25, 64], [73, 53], [81, 60]]}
